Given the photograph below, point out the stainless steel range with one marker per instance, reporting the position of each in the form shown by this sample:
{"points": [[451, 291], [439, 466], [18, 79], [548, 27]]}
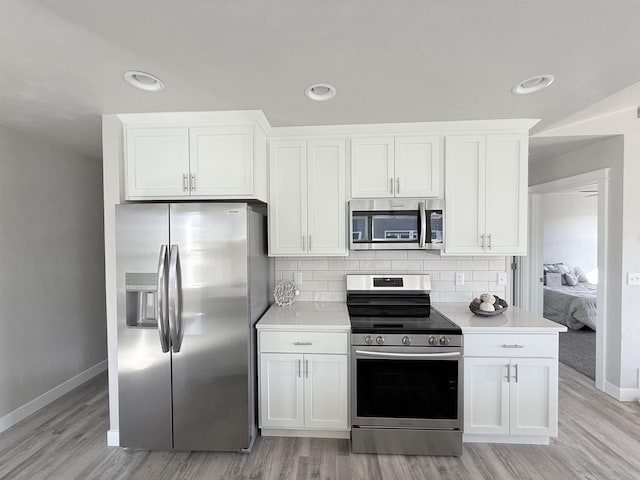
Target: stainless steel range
{"points": [[406, 368]]}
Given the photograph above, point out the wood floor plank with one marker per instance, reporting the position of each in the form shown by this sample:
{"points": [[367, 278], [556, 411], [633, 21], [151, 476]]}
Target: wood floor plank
{"points": [[599, 439]]}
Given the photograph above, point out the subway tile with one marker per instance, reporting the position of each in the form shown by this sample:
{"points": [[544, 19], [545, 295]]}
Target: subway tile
{"points": [[344, 265], [329, 296], [286, 264], [489, 258], [337, 286], [313, 265], [408, 265], [417, 255], [391, 255], [439, 265], [456, 296], [434, 275], [329, 275], [472, 265], [315, 285], [287, 275], [472, 287], [278, 275], [451, 275], [375, 265], [435, 296], [498, 265], [362, 255], [305, 297], [485, 275]]}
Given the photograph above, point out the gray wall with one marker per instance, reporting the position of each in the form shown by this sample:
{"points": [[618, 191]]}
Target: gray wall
{"points": [[571, 230], [606, 154], [52, 320]]}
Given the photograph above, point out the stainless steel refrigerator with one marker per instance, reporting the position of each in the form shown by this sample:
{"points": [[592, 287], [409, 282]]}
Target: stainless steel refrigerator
{"points": [[192, 280]]}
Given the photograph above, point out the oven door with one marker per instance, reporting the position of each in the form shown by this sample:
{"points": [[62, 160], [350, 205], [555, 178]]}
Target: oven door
{"points": [[406, 387]]}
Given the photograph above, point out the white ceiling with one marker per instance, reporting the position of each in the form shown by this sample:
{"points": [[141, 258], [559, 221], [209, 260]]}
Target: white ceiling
{"points": [[61, 61]]}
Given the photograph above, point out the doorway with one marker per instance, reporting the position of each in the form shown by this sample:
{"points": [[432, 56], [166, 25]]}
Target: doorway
{"points": [[530, 278]]}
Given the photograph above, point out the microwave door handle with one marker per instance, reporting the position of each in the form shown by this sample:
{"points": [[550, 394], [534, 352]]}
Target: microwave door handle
{"points": [[423, 224]]}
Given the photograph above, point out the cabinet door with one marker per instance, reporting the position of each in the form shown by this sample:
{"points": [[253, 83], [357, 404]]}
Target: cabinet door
{"points": [[157, 162], [506, 194], [534, 396], [372, 172], [288, 198], [464, 194], [221, 161], [281, 390], [326, 198], [417, 167], [486, 396], [326, 392]]}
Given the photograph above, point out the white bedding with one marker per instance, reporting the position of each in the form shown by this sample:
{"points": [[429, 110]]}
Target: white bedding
{"points": [[574, 306]]}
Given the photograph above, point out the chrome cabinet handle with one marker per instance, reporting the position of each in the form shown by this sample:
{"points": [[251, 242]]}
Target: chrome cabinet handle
{"points": [[514, 345], [489, 241], [192, 182], [398, 185], [302, 343], [516, 365], [299, 368], [508, 377], [185, 185], [482, 241], [161, 299], [423, 224], [306, 368], [175, 299]]}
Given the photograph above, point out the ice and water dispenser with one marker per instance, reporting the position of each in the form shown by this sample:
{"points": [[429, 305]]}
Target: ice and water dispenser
{"points": [[141, 291]]}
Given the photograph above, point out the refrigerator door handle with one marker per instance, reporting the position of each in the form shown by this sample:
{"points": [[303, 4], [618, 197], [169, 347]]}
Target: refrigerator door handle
{"points": [[161, 299], [175, 299]]}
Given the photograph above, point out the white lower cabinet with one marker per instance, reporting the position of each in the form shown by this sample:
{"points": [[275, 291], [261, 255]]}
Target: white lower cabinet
{"points": [[303, 394], [511, 399]]}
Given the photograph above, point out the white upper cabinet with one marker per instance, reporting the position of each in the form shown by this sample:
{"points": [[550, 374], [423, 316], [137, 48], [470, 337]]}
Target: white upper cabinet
{"points": [[395, 167], [157, 162], [307, 199], [221, 161], [217, 162], [486, 194], [372, 167]]}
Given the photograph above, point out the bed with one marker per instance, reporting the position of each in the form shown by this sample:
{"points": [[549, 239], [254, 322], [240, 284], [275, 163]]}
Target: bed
{"points": [[573, 306]]}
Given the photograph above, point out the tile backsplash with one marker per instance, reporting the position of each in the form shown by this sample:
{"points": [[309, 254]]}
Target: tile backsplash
{"points": [[323, 278]]}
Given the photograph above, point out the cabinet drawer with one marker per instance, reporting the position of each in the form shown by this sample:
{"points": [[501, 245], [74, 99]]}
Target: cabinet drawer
{"points": [[304, 342], [511, 345]]}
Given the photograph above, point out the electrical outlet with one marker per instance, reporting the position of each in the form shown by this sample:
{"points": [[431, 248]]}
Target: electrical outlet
{"points": [[502, 279], [459, 278], [297, 278], [633, 278]]}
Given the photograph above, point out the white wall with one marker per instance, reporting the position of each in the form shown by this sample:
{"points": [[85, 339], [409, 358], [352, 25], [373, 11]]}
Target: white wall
{"points": [[323, 278], [606, 154], [53, 319], [570, 223]]}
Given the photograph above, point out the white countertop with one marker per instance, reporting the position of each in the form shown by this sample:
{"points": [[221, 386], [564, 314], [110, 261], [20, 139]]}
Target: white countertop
{"points": [[306, 315], [513, 320]]}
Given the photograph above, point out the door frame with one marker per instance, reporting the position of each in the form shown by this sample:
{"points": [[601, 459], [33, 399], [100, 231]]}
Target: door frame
{"points": [[530, 295]]}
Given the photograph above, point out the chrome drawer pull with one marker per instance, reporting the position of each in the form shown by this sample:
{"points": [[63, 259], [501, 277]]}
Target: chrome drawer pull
{"points": [[303, 343], [515, 345]]}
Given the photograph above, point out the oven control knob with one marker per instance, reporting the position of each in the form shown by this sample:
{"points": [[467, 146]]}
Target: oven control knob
{"points": [[368, 340], [444, 340], [432, 340], [379, 339], [406, 340]]}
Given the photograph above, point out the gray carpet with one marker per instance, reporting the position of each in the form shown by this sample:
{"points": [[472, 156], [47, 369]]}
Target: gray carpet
{"points": [[578, 350]]}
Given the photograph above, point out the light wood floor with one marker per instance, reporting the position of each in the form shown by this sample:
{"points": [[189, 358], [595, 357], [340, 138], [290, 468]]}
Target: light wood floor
{"points": [[599, 439]]}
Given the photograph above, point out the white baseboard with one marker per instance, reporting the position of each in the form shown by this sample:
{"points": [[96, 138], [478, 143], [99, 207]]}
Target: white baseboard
{"points": [[113, 438], [514, 439], [622, 394], [20, 413]]}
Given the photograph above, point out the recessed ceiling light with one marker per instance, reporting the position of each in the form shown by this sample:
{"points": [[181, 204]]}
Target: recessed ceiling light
{"points": [[320, 92], [533, 84], [143, 81]]}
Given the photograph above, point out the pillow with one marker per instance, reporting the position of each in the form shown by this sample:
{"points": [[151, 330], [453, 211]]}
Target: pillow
{"points": [[580, 275], [571, 279], [556, 268], [554, 279]]}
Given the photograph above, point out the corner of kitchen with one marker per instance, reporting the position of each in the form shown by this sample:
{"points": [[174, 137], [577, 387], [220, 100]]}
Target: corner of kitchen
{"points": [[384, 233]]}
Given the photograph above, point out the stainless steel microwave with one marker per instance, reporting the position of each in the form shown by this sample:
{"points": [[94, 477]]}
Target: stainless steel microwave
{"points": [[396, 224]]}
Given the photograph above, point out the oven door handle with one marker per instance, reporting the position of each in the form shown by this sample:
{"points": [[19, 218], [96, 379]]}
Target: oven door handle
{"points": [[408, 355]]}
